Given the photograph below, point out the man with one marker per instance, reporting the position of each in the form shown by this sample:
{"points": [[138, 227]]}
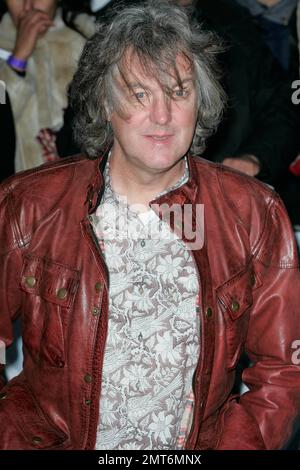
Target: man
{"points": [[259, 132], [136, 305]]}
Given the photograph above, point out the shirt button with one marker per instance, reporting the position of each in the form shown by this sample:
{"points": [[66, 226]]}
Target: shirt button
{"points": [[235, 306], [36, 440], [98, 286], [96, 311], [88, 378], [30, 281], [143, 243], [209, 312], [141, 290], [62, 293]]}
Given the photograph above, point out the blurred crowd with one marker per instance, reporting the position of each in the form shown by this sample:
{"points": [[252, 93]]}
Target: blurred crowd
{"points": [[41, 41]]}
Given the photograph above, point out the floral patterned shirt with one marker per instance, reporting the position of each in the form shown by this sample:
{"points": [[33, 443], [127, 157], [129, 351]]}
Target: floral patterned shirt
{"points": [[152, 346]]}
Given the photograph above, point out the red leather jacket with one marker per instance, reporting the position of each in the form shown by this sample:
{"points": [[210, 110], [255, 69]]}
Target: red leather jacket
{"points": [[54, 276]]}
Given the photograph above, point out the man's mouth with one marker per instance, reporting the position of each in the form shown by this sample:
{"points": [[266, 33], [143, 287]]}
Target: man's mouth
{"points": [[159, 137]]}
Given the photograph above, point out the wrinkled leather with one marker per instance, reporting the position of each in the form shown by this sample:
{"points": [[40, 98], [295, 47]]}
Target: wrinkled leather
{"points": [[249, 257]]}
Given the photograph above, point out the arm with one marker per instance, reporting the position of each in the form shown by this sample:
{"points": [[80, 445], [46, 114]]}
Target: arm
{"points": [[10, 269], [248, 164], [20, 88], [265, 416]]}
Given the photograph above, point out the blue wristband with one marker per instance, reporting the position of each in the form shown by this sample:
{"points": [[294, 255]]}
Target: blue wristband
{"points": [[17, 63]]}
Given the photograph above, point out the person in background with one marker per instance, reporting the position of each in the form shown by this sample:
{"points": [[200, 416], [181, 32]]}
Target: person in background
{"points": [[298, 31], [39, 54], [274, 16]]}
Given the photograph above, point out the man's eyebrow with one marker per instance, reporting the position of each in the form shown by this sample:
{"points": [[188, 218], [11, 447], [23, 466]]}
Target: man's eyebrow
{"points": [[135, 85], [185, 80]]}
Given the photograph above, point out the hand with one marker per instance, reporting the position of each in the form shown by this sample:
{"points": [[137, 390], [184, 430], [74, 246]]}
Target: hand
{"points": [[248, 164], [269, 3], [31, 26]]}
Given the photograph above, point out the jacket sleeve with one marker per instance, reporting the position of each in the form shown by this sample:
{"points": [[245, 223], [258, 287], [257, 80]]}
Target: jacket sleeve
{"points": [[265, 416], [10, 268]]}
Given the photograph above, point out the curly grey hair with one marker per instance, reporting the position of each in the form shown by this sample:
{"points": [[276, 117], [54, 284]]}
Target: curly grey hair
{"points": [[157, 32]]}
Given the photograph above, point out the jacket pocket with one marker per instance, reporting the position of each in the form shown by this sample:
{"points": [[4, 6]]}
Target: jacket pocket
{"points": [[23, 425], [49, 292], [235, 299]]}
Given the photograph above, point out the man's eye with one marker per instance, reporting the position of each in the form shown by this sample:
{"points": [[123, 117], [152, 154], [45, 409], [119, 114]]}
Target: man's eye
{"points": [[140, 95], [180, 93]]}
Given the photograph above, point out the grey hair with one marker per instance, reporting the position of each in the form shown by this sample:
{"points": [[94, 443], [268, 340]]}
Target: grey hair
{"points": [[157, 31]]}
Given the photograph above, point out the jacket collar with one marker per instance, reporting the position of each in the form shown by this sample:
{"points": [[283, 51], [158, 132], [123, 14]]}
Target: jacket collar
{"points": [[186, 193]]}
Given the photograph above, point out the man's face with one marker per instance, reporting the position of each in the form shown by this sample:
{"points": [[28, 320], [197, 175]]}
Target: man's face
{"points": [[18, 8], [157, 127]]}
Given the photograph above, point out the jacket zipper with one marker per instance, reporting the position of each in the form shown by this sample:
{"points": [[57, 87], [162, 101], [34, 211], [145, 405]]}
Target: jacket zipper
{"points": [[96, 245], [199, 366]]}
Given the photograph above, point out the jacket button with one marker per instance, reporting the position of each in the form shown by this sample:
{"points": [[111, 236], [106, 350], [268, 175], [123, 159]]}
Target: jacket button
{"points": [[36, 440], [30, 281], [88, 402], [88, 378], [62, 293], [96, 311], [98, 286], [3, 395], [209, 312], [235, 306]]}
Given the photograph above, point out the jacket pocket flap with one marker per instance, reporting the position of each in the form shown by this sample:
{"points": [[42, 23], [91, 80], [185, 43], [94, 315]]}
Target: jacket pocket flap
{"points": [[236, 294], [52, 281], [38, 432]]}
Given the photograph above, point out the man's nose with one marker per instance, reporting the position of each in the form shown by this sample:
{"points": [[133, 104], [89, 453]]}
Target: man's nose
{"points": [[160, 112]]}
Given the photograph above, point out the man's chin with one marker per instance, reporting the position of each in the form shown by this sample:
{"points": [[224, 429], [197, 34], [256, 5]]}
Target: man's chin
{"points": [[162, 165]]}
